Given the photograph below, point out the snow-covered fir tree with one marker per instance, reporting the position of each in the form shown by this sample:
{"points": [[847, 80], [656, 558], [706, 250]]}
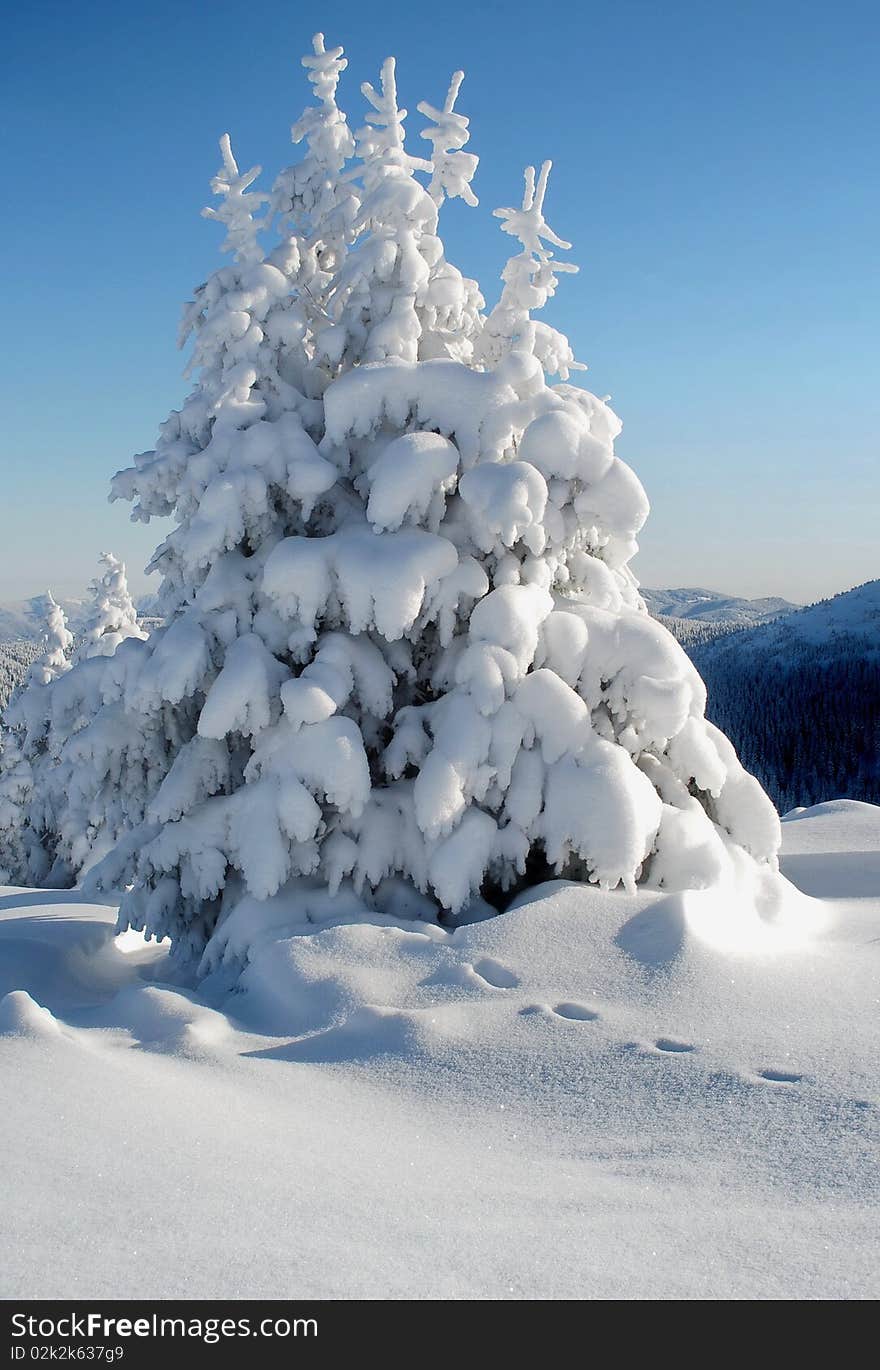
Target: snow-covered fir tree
{"points": [[113, 616], [27, 753], [405, 665], [57, 642]]}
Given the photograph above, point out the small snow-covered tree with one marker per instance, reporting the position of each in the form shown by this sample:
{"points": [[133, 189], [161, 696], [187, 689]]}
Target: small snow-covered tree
{"points": [[228, 316], [313, 198], [529, 281], [57, 641], [404, 659], [113, 616], [28, 752], [396, 295], [452, 169]]}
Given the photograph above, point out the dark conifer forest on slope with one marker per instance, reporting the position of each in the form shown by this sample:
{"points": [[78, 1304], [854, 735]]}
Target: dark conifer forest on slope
{"points": [[800, 698]]}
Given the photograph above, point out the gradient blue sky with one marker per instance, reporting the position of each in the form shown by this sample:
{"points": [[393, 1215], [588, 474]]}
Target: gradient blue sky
{"points": [[714, 164]]}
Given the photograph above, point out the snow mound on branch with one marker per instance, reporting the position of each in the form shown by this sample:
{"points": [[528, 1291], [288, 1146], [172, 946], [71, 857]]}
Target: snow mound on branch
{"points": [[367, 582], [409, 480]]}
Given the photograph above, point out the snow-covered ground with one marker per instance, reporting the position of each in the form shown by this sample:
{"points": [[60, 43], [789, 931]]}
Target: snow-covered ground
{"points": [[596, 1095]]}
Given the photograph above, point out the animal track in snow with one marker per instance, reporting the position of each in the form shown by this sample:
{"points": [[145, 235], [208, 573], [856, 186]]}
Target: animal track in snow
{"points": [[780, 1077], [671, 1046], [577, 1013], [495, 974]]}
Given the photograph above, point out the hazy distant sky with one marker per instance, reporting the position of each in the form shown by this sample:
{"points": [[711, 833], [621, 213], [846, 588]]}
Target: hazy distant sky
{"points": [[714, 166]]}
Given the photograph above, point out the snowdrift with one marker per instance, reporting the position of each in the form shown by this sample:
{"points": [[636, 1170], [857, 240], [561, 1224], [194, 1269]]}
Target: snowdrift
{"points": [[594, 1095]]}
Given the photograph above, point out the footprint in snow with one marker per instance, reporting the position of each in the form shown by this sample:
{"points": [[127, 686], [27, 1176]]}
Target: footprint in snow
{"points": [[780, 1077], [670, 1045], [571, 1012], [576, 1013], [495, 974]]}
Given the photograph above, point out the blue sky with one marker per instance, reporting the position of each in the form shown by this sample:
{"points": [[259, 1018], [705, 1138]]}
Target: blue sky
{"points": [[714, 166]]}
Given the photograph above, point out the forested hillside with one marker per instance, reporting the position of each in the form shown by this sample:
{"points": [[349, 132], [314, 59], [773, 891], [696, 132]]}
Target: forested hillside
{"points": [[800, 698], [694, 632], [15, 657]]}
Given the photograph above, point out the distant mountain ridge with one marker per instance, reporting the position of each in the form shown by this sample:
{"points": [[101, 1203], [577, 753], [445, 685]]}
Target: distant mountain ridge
{"points": [[710, 606]]}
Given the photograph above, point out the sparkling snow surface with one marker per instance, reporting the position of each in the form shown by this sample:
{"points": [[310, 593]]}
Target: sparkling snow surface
{"points": [[596, 1095]]}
